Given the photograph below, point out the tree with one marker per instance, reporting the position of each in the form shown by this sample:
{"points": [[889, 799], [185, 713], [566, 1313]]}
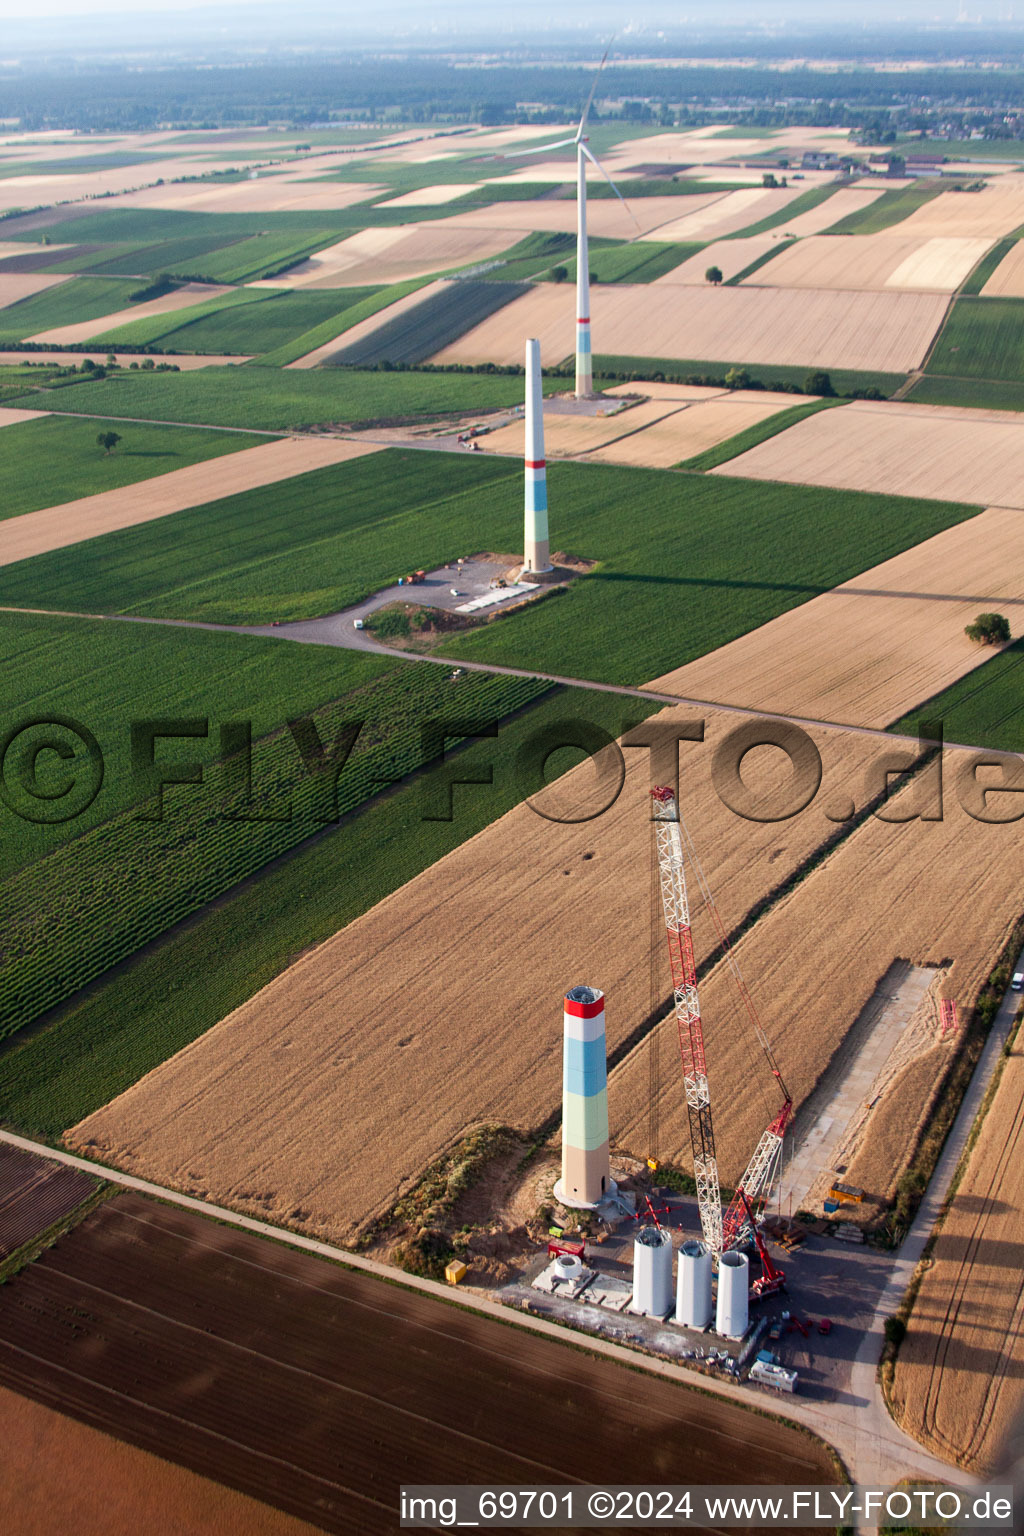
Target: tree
{"points": [[108, 441], [768, 179], [713, 275], [989, 629], [737, 378], [895, 1331], [818, 384], [559, 274]]}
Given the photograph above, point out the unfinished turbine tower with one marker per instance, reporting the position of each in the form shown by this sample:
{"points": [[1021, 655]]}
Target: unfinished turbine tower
{"points": [[586, 1171], [584, 364], [536, 557]]}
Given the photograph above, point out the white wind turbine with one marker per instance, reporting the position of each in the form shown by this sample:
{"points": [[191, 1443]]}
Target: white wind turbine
{"points": [[584, 366]]}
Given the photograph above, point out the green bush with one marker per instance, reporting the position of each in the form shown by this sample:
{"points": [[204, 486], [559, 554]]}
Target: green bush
{"points": [[989, 629]]}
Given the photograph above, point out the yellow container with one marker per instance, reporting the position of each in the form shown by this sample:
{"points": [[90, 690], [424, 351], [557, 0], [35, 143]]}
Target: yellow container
{"points": [[455, 1271]]}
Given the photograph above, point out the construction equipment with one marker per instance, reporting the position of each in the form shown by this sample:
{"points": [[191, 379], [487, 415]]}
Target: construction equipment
{"points": [[720, 1232], [771, 1279], [417, 578], [497, 583], [575, 1248]]}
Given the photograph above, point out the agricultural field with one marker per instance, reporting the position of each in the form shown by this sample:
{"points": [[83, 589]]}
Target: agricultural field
{"points": [[409, 966], [57, 1469], [887, 332], [36, 1194], [895, 634], [279, 401], [984, 708], [855, 263], [905, 449], [52, 460], [982, 339], [261, 467], [931, 891], [999, 275], [109, 1036], [957, 1382], [772, 376], [308, 545], [884, 211], [73, 302], [750, 553], [243, 321], [439, 318], [325, 1343]]}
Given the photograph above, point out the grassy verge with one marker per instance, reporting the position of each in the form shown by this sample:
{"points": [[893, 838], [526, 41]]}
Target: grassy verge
{"points": [[182, 984], [984, 709], [752, 436]]}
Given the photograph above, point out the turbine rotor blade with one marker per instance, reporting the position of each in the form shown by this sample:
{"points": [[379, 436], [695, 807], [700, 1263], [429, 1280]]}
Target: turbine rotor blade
{"points": [[595, 161], [593, 88], [539, 149]]}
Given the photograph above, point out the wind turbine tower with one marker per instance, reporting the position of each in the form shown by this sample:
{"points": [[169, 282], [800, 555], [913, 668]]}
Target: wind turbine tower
{"points": [[536, 557], [584, 365]]}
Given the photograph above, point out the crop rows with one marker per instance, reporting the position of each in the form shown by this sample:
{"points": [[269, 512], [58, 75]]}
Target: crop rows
{"points": [[94, 901], [435, 323]]}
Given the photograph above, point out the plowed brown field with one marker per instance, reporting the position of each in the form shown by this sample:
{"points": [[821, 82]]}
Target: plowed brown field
{"points": [[958, 1377], [886, 331]]}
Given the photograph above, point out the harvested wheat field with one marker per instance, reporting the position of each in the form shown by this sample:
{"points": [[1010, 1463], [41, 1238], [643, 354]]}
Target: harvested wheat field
{"points": [[364, 328], [843, 203], [267, 194], [394, 256], [673, 438], [182, 361], [85, 330], [730, 256], [331, 1089], [10, 415], [887, 332], [997, 210], [861, 263], [931, 892], [728, 214], [957, 1386], [15, 286], [605, 216], [56, 527], [1007, 281], [899, 449], [60, 1475], [867, 651], [567, 435], [655, 389], [426, 197]]}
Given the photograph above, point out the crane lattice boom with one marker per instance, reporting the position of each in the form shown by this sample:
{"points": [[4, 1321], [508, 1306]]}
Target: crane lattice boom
{"points": [[687, 1014], [720, 1233]]}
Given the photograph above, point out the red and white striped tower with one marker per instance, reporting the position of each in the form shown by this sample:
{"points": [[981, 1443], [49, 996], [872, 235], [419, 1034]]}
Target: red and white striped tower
{"points": [[584, 366], [536, 557]]}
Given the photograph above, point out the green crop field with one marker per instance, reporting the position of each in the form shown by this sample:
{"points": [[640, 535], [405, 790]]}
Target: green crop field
{"points": [[251, 320], [639, 262], [891, 208], [982, 339], [704, 560], [173, 256], [372, 302], [533, 256], [80, 298], [251, 397], [305, 546], [802, 204], [768, 375], [979, 394], [435, 322], [106, 888], [185, 981], [259, 256], [55, 459], [985, 708]]}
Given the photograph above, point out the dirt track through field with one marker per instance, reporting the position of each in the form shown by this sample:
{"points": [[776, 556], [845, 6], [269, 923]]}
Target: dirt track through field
{"points": [[889, 332], [895, 448], [957, 1386], [867, 651], [34, 533]]}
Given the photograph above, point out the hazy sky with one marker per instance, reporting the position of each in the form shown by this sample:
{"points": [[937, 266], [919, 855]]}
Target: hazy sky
{"points": [[390, 13]]}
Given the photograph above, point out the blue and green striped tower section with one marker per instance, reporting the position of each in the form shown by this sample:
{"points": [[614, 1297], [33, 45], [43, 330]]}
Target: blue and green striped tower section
{"points": [[586, 1172]]}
